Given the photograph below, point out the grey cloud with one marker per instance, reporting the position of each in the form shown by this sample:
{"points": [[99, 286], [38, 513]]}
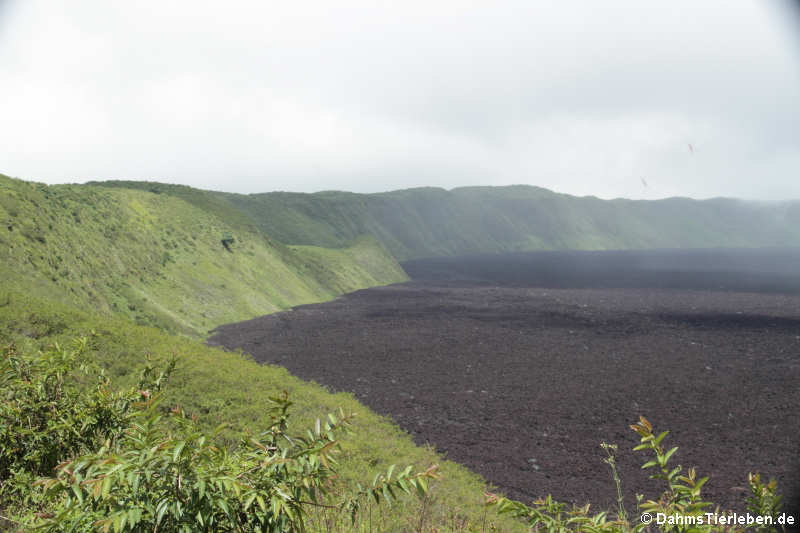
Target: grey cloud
{"points": [[371, 96]]}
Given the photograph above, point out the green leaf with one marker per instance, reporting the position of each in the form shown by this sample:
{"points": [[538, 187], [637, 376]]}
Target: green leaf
{"points": [[224, 506], [249, 501], [178, 449], [134, 515], [76, 488], [104, 492], [403, 485], [163, 505], [669, 454], [277, 503]]}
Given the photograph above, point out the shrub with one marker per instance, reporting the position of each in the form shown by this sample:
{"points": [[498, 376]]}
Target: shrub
{"points": [[227, 240], [120, 462], [55, 405], [764, 499], [682, 497], [172, 477]]}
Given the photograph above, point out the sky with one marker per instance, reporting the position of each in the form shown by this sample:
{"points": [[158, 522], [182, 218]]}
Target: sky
{"points": [[616, 99]]}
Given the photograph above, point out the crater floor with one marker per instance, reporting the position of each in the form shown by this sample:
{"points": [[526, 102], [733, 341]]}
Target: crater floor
{"points": [[522, 382]]}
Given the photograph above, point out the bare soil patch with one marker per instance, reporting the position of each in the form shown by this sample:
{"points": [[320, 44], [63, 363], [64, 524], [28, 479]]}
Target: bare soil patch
{"points": [[521, 381]]}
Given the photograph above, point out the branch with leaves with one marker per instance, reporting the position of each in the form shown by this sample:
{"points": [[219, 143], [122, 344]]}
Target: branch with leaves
{"points": [[172, 477]]}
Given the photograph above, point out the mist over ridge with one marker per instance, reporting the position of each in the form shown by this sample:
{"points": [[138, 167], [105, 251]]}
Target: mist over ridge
{"points": [[429, 222]]}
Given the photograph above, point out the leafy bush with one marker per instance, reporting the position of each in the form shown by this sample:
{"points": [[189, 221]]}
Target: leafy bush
{"points": [[124, 463], [172, 477], [227, 240], [52, 411], [764, 499]]}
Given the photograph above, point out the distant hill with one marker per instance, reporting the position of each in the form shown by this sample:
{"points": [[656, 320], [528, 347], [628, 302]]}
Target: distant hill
{"points": [[159, 259], [428, 222]]}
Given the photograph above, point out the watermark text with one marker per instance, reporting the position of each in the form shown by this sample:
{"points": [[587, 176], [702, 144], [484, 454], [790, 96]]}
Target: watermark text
{"points": [[716, 519]]}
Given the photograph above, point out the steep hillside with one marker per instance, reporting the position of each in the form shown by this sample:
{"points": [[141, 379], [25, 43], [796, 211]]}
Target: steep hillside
{"points": [[164, 261], [428, 222], [419, 223]]}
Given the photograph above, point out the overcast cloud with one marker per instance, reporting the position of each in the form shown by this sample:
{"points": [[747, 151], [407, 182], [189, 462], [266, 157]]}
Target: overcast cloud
{"points": [[374, 96]]}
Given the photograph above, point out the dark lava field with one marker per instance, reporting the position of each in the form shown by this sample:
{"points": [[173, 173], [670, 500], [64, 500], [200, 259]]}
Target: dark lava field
{"points": [[520, 365]]}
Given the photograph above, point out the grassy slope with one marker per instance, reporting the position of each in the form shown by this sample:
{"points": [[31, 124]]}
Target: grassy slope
{"points": [[429, 222], [225, 387], [158, 259]]}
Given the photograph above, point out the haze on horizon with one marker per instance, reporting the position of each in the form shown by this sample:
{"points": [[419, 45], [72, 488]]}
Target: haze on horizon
{"points": [[633, 100]]}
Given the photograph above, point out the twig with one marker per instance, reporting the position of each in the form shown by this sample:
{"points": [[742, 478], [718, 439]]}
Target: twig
{"points": [[318, 504], [7, 519]]}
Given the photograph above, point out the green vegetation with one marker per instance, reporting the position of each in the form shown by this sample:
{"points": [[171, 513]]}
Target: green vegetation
{"points": [[162, 261], [47, 416], [131, 468], [430, 222]]}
